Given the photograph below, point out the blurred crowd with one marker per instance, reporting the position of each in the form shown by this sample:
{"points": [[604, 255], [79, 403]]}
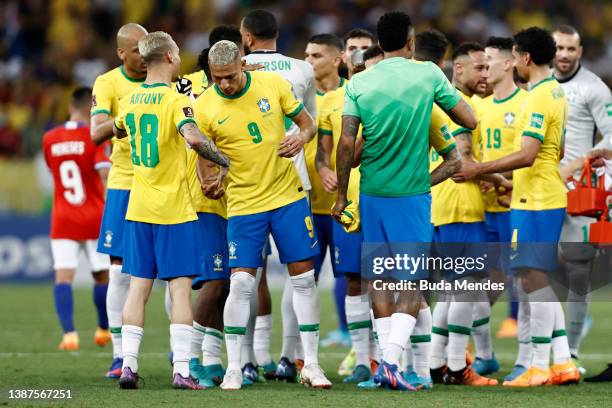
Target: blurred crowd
{"points": [[49, 47]]}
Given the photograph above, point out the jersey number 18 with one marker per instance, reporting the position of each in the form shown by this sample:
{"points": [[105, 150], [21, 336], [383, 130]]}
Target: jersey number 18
{"points": [[148, 126]]}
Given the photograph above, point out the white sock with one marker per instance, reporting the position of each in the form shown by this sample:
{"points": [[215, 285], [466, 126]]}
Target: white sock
{"points": [[307, 310], [290, 324], [383, 328], [261, 340], [421, 343], [577, 302], [439, 335], [405, 364], [248, 354], [131, 338], [211, 347], [525, 352], [168, 303], [299, 349], [481, 330], [560, 347], [118, 286], [197, 338], [541, 324], [359, 324], [236, 316], [180, 343], [459, 329], [402, 325]]}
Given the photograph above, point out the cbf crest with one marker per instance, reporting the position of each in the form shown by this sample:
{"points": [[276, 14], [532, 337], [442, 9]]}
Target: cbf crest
{"points": [[231, 249], [509, 118], [218, 262], [264, 105], [108, 239]]}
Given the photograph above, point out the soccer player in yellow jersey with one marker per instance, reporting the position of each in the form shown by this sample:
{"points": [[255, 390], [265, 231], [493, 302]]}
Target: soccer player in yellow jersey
{"points": [[538, 204], [244, 114], [458, 216], [161, 235], [498, 114], [108, 89]]}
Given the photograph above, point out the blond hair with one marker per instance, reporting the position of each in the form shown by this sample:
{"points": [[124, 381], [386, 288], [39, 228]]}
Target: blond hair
{"points": [[154, 46], [223, 53]]}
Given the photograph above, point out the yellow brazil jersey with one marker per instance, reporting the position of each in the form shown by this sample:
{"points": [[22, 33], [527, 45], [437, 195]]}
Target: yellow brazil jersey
{"points": [[331, 123], [320, 200], [248, 128], [544, 117], [201, 203], [456, 202], [199, 83], [497, 120], [441, 140], [151, 116], [108, 90]]}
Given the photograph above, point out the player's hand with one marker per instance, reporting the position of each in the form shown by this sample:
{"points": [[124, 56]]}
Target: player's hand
{"points": [[341, 204], [485, 186], [291, 146], [252, 67], [213, 189], [329, 179], [597, 157], [502, 185], [183, 86], [469, 170], [504, 200]]}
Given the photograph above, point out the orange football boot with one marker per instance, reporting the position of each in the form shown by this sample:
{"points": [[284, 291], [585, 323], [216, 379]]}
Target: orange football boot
{"points": [[70, 342], [102, 337], [508, 329], [468, 377], [565, 373], [373, 366], [533, 377]]}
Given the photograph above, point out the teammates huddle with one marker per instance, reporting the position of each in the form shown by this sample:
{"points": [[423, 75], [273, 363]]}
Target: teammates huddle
{"points": [[201, 176]]}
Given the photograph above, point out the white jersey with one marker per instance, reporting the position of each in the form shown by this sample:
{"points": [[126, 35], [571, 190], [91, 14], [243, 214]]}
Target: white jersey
{"points": [[590, 108], [301, 76]]}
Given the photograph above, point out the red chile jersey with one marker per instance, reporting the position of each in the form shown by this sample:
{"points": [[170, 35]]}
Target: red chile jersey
{"points": [[78, 199]]}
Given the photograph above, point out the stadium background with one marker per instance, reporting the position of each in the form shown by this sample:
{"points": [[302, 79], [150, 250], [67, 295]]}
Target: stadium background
{"points": [[47, 48]]}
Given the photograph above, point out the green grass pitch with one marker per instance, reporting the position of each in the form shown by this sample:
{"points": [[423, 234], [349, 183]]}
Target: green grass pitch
{"points": [[29, 359]]}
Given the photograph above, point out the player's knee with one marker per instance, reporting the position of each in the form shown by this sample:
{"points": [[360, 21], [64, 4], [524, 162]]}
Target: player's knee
{"points": [[304, 283], [100, 277], [64, 275], [241, 284], [354, 285]]}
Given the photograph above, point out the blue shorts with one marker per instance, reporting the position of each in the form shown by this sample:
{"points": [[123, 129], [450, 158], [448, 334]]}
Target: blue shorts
{"points": [[112, 229], [347, 251], [393, 221], [461, 239], [535, 238], [161, 251], [499, 235], [324, 228], [212, 245], [291, 227]]}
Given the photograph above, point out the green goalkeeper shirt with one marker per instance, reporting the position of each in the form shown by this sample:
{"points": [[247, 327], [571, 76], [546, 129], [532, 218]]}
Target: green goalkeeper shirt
{"points": [[394, 100]]}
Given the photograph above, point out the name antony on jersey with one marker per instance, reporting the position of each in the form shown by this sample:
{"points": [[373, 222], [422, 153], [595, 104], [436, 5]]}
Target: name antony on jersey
{"points": [[67, 148]]}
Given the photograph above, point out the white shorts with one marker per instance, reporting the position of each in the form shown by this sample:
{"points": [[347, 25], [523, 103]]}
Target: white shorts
{"points": [[66, 254]]}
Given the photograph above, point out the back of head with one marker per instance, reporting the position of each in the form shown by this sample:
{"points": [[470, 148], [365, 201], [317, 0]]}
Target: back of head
{"points": [[538, 43], [464, 49], [372, 52], [81, 99], [225, 32], [223, 53], [500, 43], [261, 24], [154, 46], [393, 30], [430, 46], [331, 40]]}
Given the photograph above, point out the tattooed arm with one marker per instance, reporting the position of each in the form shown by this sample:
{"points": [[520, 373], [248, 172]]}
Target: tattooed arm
{"points": [[450, 165], [345, 155], [325, 145], [204, 146]]}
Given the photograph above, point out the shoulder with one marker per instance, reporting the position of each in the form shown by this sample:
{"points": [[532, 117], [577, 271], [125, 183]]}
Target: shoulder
{"points": [[108, 76], [592, 83], [50, 134], [304, 67]]}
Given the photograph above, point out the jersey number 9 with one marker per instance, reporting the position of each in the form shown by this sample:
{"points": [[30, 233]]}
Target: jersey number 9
{"points": [[148, 126]]}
